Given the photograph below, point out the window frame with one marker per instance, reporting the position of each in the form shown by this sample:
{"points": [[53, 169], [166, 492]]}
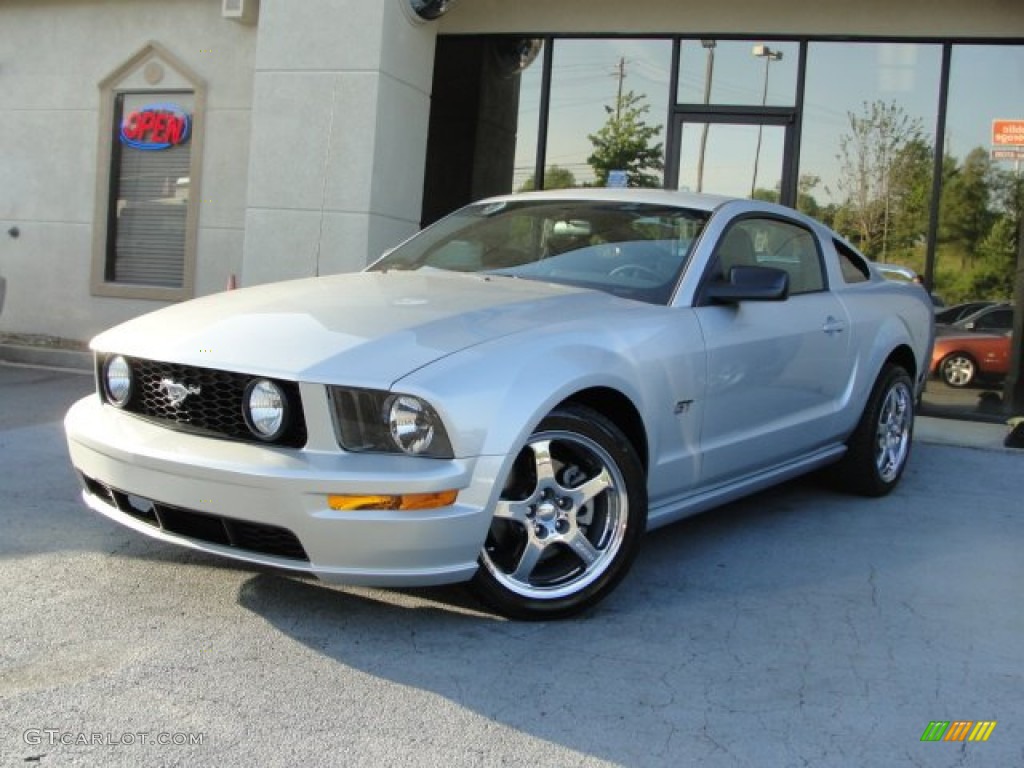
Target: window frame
{"points": [[852, 265], [775, 220], [152, 70]]}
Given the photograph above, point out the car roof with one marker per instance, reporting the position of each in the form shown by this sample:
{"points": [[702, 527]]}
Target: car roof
{"points": [[701, 202], [993, 307]]}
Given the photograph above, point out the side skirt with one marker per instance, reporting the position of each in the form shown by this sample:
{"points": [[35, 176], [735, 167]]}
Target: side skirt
{"points": [[703, 499]]}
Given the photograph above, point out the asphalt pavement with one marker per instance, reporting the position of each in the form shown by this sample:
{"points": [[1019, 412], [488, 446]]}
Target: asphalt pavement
{"points": [[799, 627]]}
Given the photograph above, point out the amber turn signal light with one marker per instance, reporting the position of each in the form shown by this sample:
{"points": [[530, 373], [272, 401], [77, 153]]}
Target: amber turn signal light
{"points": [[403, 503]]}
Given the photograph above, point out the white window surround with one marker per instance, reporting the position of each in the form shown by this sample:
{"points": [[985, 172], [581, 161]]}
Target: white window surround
{"points": [[152, 69]]}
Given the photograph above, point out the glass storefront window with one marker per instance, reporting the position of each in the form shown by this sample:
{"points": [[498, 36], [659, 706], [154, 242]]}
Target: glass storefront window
{"points": [[980, 210], [978, 228], [857, 149], [735, 112], [867, 144], [738, 72], [609, 103], [731, 159], [528, 121]]}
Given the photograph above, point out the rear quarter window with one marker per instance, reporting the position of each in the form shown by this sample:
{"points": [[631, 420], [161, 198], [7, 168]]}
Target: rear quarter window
{"points": [[852, 264]]}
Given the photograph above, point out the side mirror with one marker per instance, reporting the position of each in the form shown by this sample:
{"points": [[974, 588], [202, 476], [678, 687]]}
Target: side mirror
{"points": [[750, 284]]}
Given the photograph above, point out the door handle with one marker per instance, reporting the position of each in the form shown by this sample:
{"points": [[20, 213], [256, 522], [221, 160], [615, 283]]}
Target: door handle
{"points": [[833, 326]]}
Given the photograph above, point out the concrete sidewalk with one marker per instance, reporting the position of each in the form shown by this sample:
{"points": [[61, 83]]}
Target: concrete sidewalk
{"points": [[44, 352], [961, 433]]}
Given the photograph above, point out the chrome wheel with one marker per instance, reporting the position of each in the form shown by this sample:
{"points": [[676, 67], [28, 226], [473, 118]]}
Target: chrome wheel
{"points": [[879, 447], [568, 521], [561, 518], [894, 428], [958, 370]]}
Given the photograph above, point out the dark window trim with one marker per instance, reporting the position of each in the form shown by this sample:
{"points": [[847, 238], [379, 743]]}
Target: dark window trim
{"points": [[755, 36], [932, 233]]}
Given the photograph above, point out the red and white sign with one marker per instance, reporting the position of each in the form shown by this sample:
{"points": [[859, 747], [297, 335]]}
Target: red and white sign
{"points": [[155, 127], [1008, 133]]}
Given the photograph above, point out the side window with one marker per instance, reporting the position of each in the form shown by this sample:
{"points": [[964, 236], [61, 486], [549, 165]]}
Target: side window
{"points": [[773, 243], [852, 264], [999, 320]]}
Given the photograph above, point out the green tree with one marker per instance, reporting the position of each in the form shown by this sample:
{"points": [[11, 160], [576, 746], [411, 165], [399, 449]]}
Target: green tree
{"points": [[1008, 197], [623, 143], [979, 228], [869, 156], [768, 195], [555, 177], [910, 190], [994, 273], [805, 201], [965, 207]]}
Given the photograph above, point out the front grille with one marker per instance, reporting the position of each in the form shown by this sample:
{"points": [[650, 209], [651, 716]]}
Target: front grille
{"points": [[202, 526], [213, 408]]}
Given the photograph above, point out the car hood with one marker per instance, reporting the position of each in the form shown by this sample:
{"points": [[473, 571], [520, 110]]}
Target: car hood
{"points": [[366, 329]]}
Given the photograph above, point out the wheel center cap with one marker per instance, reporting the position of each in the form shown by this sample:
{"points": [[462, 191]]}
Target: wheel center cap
{"points": [[547, 511]]}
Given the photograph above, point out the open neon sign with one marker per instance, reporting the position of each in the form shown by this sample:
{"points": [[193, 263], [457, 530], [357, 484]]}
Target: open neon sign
{"points": [[156, 126]]}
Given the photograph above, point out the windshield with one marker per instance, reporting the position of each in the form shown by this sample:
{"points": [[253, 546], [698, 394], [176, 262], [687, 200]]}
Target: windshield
{"points": [[632, 250]]}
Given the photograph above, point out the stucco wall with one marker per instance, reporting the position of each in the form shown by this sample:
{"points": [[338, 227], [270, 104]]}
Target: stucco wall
{"points": [[53, 55], [339, 138]]}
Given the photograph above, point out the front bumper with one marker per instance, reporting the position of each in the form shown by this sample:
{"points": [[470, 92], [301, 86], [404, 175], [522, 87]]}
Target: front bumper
{"points": [[268, 506]]}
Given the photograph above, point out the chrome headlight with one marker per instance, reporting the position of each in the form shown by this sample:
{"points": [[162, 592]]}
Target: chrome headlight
{"points": [[411, 423], [265, 409], [117, 381], [368, 420]]}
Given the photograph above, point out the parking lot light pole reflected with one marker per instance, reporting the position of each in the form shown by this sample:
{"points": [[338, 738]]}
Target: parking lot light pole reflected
{"points": [[709, 46], [766, 53]]}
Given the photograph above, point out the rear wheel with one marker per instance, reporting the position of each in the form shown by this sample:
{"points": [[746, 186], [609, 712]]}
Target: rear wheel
{"points": [[958, 370], [569, 520], [878, 450]]}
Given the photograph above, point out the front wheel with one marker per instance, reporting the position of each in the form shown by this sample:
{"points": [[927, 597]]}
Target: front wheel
{"points": [[569, 520], [878, 450]]}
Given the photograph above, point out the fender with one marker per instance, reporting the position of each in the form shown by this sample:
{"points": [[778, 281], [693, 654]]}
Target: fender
{"points": [[496, 394], [878, 335]]}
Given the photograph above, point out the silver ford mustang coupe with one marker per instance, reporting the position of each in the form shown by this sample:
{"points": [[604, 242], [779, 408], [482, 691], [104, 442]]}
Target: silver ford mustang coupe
{"points": [[512, 397]]}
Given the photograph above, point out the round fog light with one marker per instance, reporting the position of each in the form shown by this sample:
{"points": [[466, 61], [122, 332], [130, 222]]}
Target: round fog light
{"points": [[265, 409], [118, 381]]}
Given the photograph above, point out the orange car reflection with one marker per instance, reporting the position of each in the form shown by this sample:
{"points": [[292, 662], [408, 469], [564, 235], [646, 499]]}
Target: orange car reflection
{"points": [[960, 359]]}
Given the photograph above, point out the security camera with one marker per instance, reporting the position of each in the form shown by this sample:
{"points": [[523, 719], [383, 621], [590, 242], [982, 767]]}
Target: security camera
{"points": [[513, 55], [430, 9]]}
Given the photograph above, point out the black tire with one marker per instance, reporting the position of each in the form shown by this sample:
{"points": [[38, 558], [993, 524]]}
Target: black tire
{"points": [[958, 370], [879, 448], [571, 515]]}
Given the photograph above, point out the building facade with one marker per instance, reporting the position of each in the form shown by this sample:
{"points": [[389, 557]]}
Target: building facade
{"points": [[153, 152]]}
